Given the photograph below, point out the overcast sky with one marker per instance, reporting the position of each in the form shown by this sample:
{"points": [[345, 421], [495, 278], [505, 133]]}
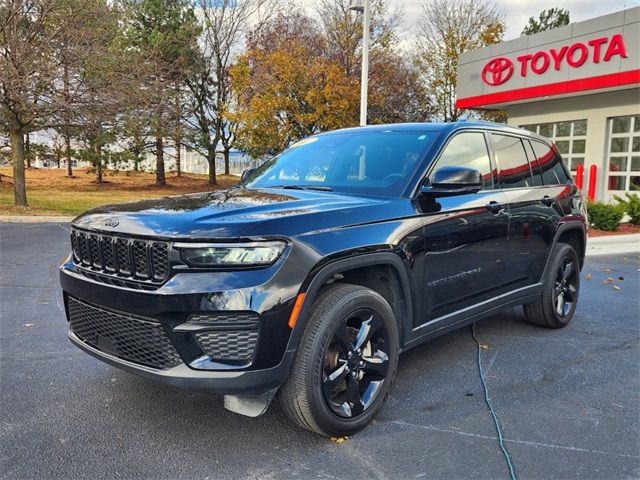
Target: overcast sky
{"points": [[517, 12]]}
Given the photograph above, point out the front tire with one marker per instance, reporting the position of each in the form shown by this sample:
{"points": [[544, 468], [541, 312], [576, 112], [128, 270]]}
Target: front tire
{"points": [[561, 287], [345, 363]]}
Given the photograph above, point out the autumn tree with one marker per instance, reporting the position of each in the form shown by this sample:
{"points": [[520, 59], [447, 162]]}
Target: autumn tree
{"points": [[548, 19], [38, 40], [447, 29], [395, 91], [164, 35], [288, 86]]}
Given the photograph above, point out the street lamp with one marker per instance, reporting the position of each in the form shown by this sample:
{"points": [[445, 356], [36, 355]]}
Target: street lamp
{"points": [[364, 81]]}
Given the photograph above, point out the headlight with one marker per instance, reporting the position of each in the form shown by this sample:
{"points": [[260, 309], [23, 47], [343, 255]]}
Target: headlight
{"points": [[231, 254]]}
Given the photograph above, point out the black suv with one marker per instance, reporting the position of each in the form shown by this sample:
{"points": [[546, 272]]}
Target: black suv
{"points": [[312, 275]]}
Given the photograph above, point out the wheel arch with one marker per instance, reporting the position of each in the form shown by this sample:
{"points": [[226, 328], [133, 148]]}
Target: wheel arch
{"points": [[574, 233], [354, 270]]}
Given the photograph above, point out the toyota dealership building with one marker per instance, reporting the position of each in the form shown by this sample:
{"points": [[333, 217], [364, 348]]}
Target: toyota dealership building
{"points": [[578, 85]]}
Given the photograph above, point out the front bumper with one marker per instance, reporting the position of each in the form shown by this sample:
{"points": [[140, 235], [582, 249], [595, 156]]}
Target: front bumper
{"points": [[255, 382], [269, 293]]}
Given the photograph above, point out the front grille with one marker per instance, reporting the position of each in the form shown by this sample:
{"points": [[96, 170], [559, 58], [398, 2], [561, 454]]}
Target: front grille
{"points": [[136, 339], [129, 259], [230, 345]]}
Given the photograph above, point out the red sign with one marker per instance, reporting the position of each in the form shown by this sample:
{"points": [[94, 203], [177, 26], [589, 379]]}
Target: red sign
{"points": [[499, 70]]}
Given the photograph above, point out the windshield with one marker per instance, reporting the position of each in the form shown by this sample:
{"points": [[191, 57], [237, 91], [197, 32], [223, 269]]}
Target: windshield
{"points": [[372, 162]]}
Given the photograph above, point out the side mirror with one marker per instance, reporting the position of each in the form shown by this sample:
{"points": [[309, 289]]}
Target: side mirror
{"points": [[454, 180], [246, 174]]}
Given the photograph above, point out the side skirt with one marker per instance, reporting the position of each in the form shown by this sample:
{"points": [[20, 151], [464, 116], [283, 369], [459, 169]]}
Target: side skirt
{"points": [[452, 321]]}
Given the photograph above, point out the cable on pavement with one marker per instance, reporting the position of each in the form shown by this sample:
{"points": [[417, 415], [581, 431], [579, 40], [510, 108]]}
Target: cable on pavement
{"points": [[487, 400]]}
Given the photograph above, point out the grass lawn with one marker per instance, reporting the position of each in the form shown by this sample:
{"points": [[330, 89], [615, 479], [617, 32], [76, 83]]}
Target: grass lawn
{"points": [[51, 192]]}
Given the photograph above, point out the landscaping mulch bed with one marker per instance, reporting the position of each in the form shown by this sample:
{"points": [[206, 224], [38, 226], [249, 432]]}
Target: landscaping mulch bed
{"points": [[623, 229]]}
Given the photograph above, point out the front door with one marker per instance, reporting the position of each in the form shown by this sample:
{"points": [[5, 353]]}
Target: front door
{"points": [[465, 236]]}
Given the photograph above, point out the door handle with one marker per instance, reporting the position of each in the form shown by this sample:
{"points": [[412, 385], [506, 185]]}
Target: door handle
{"points": [[494, 207], [547, 200]]}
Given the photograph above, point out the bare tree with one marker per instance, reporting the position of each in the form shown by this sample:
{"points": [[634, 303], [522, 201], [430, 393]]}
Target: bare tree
{"points": [[446, 29], [225, 24], [343, 29]]}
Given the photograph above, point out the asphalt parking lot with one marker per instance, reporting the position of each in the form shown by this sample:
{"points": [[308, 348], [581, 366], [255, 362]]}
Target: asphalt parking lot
{"points": [[568, 400]]}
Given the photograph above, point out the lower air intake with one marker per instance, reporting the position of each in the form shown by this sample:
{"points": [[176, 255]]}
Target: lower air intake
{"points": [[136, 339]]}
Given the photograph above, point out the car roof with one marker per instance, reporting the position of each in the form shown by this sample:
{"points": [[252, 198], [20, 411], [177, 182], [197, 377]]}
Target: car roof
{"points": [[447, 127]]}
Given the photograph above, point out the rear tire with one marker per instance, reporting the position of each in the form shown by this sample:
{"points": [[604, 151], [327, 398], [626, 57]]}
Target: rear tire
{"points": [[561, 286], [345, 364]]}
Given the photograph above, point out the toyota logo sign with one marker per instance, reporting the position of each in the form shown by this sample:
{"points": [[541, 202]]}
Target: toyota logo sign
{"points": [[497, 71]]}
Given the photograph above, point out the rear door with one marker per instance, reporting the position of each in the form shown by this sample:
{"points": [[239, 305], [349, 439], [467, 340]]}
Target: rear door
{"points": [[465, 235], [532, 209]]}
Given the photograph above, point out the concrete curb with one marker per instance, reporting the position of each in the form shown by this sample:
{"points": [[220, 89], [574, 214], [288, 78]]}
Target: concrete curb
{"points": [[35, 219], [610, 245]]}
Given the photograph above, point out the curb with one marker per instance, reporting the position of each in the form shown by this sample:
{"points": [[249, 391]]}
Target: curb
{"points": [[35, 219], [614, 244]]}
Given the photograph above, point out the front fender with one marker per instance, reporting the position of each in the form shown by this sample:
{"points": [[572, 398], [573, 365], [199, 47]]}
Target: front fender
{"points": [[320, 276]]}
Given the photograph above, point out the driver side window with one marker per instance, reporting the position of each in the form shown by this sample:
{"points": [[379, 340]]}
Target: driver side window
{"points": [[469, 149]]}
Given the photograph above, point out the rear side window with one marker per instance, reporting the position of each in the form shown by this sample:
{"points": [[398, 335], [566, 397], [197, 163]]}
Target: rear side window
{"points": [[550, 163], [533, 162], [468, 149], [512, 161]]}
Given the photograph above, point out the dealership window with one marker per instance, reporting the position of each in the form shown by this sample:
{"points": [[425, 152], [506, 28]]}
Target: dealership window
{"points": [[623, 153], [570, 137]]}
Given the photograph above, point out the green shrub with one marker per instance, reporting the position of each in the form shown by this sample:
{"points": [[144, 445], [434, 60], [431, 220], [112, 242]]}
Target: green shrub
{"points": [[604, 216], [630, 206]]}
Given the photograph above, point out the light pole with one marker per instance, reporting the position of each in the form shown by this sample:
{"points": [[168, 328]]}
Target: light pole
{"points": [[364, 80]]}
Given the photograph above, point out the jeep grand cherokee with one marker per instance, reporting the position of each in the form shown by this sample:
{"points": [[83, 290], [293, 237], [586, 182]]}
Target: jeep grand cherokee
{"points": [[310, 277]]}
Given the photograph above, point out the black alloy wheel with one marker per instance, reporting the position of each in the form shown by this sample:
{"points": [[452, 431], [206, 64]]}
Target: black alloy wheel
{"points": [[560, 290], [355, 364], [345, 363], [565, 289]]}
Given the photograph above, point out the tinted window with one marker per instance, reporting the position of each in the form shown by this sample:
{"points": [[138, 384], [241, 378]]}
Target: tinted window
{"points": [[468, 150], [512, 160], [366, 162], [533, 162], [550, 163]]}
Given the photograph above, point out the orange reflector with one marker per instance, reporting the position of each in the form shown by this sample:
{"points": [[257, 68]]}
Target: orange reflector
{"points": [[296, 310]]}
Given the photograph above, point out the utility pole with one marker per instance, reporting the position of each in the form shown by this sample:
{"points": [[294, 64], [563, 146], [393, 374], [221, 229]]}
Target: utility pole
{"points": [[364, 81]]}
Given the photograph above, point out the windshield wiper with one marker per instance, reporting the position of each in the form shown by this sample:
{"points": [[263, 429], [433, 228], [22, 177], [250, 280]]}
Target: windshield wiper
{"points": [[305, 187]]}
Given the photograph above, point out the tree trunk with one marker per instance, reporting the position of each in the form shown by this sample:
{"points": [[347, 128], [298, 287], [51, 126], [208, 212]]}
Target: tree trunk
{"points": [[67, 153], [226, 160], [17, 157], [27, 149], [98, 162], [160, 179], [178, 158], [211, 158]]}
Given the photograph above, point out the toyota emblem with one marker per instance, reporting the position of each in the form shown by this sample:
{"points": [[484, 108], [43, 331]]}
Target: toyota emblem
{"points": [[497, 71]]}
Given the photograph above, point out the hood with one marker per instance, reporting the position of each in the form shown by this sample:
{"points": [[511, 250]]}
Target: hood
{"points": [[242, 213]]}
